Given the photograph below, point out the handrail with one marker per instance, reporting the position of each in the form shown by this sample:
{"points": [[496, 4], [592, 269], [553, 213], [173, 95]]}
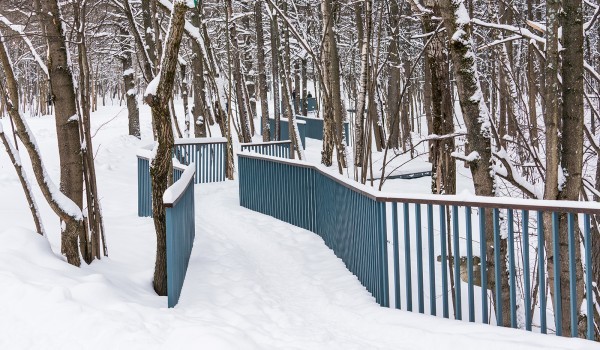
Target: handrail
{"points": [[174, 193], [458, 200], [200, 140], [264, 143]]}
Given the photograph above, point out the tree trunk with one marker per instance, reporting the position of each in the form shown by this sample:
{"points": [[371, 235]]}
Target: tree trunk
{"points": [[161, 168], [262, 75], [67, 128], [571, 151], [477, 121], [65, 208], [129, 81]]}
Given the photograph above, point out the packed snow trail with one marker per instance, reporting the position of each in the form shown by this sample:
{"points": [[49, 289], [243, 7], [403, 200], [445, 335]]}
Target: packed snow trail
{"points": [[253, 282]]}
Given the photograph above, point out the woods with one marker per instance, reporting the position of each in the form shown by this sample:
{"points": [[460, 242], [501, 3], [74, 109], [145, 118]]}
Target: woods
{"points": [[500, 95]]}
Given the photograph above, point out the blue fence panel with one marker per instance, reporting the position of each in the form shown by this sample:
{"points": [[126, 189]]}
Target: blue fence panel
{"points": [[350, 223], [145, 184], [180, 217], [144, 188], [311, 105], [353, 226], [314, 128], [285, 132], [209, 155], [279, 149], [353, 222]]}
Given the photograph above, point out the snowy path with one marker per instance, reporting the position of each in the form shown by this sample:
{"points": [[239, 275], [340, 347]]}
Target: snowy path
{"points": [[253, 282]]}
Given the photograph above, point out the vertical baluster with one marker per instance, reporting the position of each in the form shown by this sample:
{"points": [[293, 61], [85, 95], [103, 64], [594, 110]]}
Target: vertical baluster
{"points": [[526, 277], [470, 264], [384, 257], [407, 262], [588, 276], [541, 271], [419, 257], [572, 286], [457, 290], [556, 260], [396, 255], [483, 258], [512, 269], [432, 296], [496, 214], [444, 261]]}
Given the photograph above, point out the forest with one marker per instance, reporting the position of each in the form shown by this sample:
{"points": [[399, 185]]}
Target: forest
{"points": [[497, 98]]}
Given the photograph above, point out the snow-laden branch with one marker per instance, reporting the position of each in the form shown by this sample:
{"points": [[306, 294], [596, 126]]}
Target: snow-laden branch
{"points": [[19, 29], [506, 170]]}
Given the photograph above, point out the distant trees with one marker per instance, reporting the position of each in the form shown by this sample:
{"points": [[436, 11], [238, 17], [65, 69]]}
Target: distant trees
{"points": [[509, 89]]}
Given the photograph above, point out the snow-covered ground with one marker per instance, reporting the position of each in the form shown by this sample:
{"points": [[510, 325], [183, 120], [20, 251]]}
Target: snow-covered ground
{"points": [[253, 282]]}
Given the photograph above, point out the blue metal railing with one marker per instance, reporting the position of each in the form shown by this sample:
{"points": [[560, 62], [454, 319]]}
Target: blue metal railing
{"points": [[279, 149], [180, 215], [314, 128], [209, 155], [145, 182], [285, 133], [311, 104], [433, 237], [298, 194]]}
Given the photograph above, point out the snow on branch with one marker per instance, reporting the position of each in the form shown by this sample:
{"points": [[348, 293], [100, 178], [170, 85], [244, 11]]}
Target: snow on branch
{"points": [[19, 29], [506, 170]]}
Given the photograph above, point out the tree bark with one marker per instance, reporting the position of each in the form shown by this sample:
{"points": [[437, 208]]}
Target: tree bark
{"points": [[129, 81], [67, 128], [161, 169], [477, 121], [65, 208], [262, 75]]}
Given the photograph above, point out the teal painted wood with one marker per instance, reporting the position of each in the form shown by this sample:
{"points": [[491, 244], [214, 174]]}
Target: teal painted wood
{"points": [[397, 288], [419, 247], [407, 262], [311, 104], [353, 222], [572, 280], [209, 157], [350, 224], [587, 243], [180, 240], [512, 269], [314, 128], [285, 132], [483, 257], [541, 271], [557, 262], [469, 242], [496, 216], [144, 188], [431, 254], [279, 149], [526, 270], [456, 255], [444, 261]]}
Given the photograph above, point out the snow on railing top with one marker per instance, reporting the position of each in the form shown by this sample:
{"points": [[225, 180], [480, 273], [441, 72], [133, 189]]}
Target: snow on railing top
{"points": [[298, 121], [176, 190], [315, 118], [265, 143], [200, 140], [462, 199]]}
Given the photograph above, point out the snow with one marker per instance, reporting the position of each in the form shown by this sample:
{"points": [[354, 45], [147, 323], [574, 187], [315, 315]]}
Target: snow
{"points": [[253, 282], [152, 86], [200, 140], [174, 192], [127, 72]]}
